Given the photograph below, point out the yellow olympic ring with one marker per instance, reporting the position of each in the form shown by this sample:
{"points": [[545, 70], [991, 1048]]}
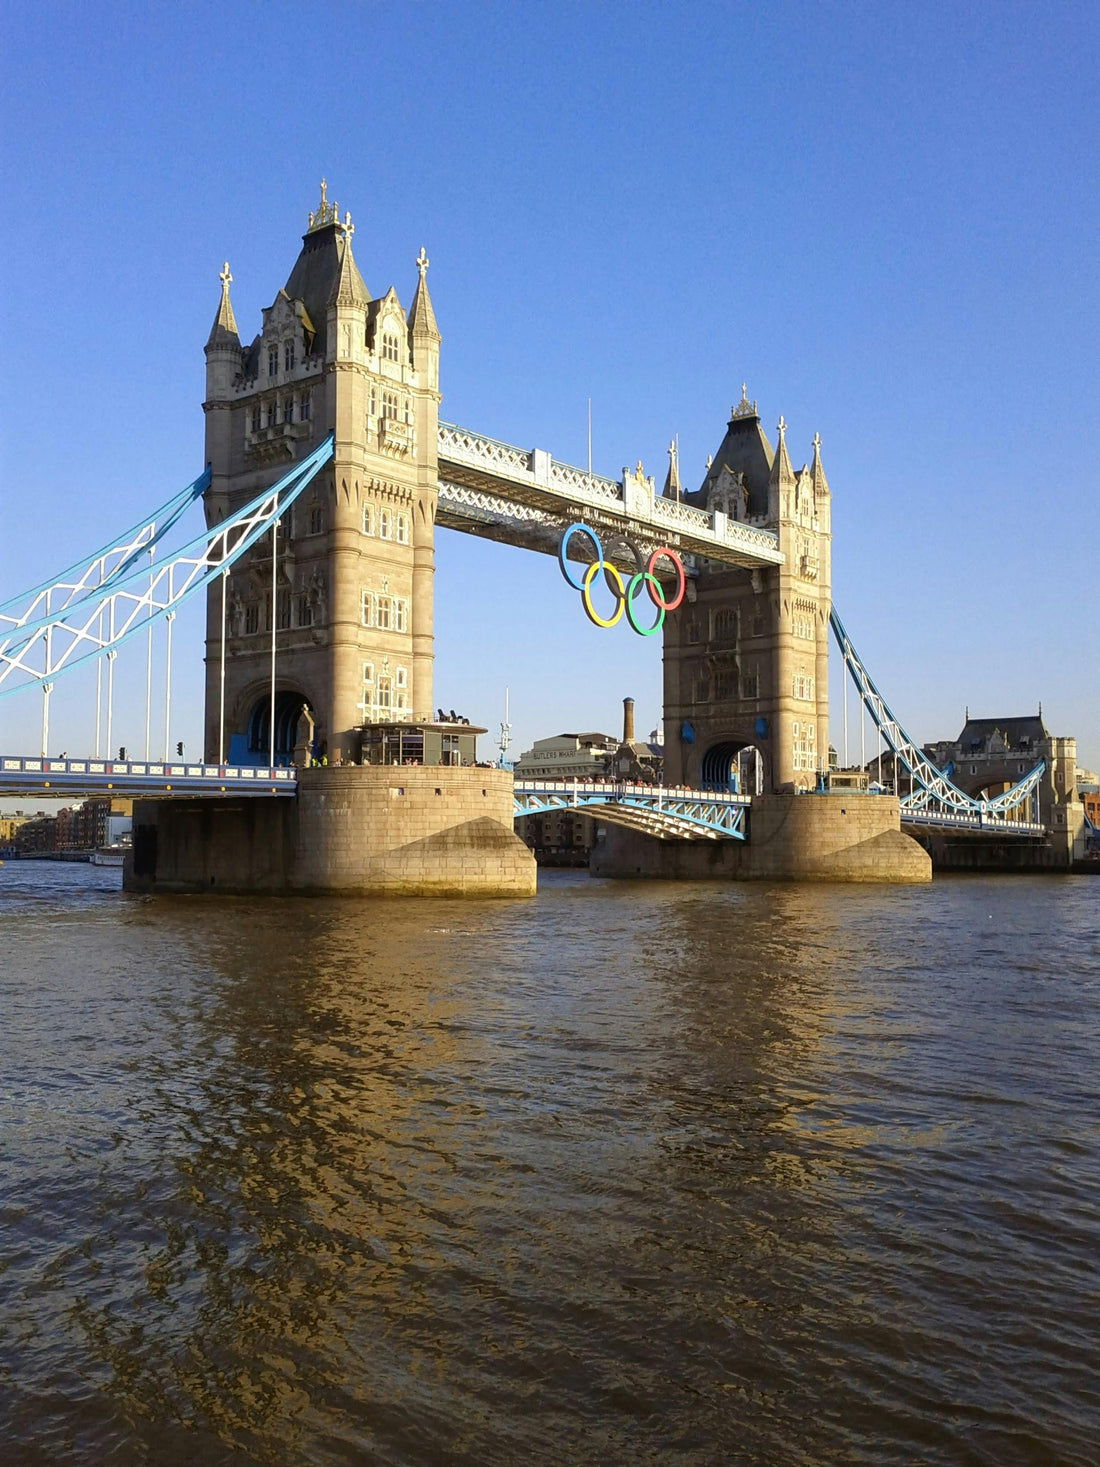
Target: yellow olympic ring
{"points": [[618, 590]]}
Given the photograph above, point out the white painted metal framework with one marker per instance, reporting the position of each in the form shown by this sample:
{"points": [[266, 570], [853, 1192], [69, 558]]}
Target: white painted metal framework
{"points": [[675, 813], [525, 496], [128, 600], [932, 799]]}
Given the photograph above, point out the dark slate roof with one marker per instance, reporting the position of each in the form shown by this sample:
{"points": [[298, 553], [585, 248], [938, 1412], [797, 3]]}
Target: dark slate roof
{"points": [[314, 277], [745, 450], [1017, 732]]}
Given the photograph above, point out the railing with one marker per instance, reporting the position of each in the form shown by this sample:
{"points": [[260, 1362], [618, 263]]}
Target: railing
{"points": [[536, 470], [126, 776]]}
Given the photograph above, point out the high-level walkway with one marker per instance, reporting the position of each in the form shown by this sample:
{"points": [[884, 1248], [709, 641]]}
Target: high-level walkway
{"points": [[523, 496]]}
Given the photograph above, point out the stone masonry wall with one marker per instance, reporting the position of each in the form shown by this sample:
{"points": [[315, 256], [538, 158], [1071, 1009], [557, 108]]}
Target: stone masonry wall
{"points": [[402, 831]]}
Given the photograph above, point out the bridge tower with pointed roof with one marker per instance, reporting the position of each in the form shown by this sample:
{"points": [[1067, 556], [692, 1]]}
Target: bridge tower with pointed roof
{"points": [[352, 600], [746, 662]]}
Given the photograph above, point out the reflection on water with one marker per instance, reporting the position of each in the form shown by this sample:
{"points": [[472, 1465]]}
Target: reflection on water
{"points": [[632, 1173]]}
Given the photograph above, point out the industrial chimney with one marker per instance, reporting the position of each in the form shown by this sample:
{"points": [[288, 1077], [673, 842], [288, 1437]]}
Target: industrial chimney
{"points": [[628, 720]]}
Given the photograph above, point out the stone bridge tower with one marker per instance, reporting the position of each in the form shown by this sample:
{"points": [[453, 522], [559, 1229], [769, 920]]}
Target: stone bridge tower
{"points": [[746, 661], [352, 602]]}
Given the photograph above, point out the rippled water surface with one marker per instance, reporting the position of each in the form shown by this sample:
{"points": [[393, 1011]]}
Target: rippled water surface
{"points": [[630, 1173]]}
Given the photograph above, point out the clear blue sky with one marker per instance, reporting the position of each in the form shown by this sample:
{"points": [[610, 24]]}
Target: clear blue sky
{"points": [[882, 217]]}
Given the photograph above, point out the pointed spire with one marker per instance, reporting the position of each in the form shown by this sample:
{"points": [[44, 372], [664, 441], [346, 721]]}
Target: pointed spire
{"points": [[348, 289], [782, 474], [224, 330], [672, 478], [817, 473], [421, 315]]}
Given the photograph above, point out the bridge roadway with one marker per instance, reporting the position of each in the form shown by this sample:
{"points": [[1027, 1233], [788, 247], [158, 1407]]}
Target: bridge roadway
{"points": [[525, 497], [666, 812]]}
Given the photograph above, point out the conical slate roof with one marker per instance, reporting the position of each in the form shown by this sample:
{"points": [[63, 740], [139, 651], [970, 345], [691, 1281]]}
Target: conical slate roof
{"points": [[224, 330], [421, 315], [744, 450], [316, 276]]}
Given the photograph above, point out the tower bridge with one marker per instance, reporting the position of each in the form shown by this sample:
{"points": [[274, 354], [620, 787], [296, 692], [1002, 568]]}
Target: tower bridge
{"points": [[328, 472]]}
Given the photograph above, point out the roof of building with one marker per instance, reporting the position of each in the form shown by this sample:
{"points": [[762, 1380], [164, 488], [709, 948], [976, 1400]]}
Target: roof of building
{"points": [[316, 277], [421, 314], [1016, 732], [744, 450]]}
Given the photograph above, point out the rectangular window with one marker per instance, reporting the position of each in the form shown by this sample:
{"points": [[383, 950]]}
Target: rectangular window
{"points": [[750, 685], [288, 356], [368, 519], [383, 612], [389, 405], [401, 677], [256, 418], [385, 524], [272, 413], [304, 407], [288, 410], [725, 684], [385, 693], [368, 672], [305, 612], [282, 610], [389, 346], [272, 360], [251, 618], [400, 615], [373, 408], [402, 528], [316, 519], [366, 607]]}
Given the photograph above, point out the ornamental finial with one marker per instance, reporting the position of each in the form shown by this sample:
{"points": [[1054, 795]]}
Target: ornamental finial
{"points": [[225, 277], [817, 442], [325, 213], [781, 426], [422, 262], [745, 408]]}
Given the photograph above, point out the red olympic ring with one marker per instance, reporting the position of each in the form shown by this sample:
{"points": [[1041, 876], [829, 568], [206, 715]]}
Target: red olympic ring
{"points": [[652, 581]]}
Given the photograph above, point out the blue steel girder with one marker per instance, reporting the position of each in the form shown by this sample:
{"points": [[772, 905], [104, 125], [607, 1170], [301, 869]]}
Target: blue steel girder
{"points": [[669, 814], [931, 790], [24, 614], [102, 620]]}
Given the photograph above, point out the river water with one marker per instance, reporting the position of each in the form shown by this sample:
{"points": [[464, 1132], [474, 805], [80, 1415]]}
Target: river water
{"points": [[629, 1173]]}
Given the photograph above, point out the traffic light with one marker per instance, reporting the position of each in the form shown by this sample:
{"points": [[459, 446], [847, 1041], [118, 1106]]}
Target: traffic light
{"points": [[122, 753], [179, 749]]}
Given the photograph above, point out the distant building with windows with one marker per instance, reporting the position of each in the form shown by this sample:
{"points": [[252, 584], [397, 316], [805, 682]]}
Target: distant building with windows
{"points": [[568, 756]]}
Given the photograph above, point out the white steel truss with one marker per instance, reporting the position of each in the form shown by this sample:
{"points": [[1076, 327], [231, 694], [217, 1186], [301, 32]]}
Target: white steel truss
{"points": [[932, 799], [26, 613], [125, 604], [674, 813]]}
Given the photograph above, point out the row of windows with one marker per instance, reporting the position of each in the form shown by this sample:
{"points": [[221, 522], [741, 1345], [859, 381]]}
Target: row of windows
{"points": [[727, 684], [389, 346], [384, 694], [289, 358], [802, 686], [804, 736], [804, 627], [387, 524], [385, 612], [274, 411], [290, 611], [726, 626], [396, 408]]}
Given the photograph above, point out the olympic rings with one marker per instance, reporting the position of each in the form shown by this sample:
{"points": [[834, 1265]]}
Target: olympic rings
{"points": [[610, 573], [625, 595]]}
